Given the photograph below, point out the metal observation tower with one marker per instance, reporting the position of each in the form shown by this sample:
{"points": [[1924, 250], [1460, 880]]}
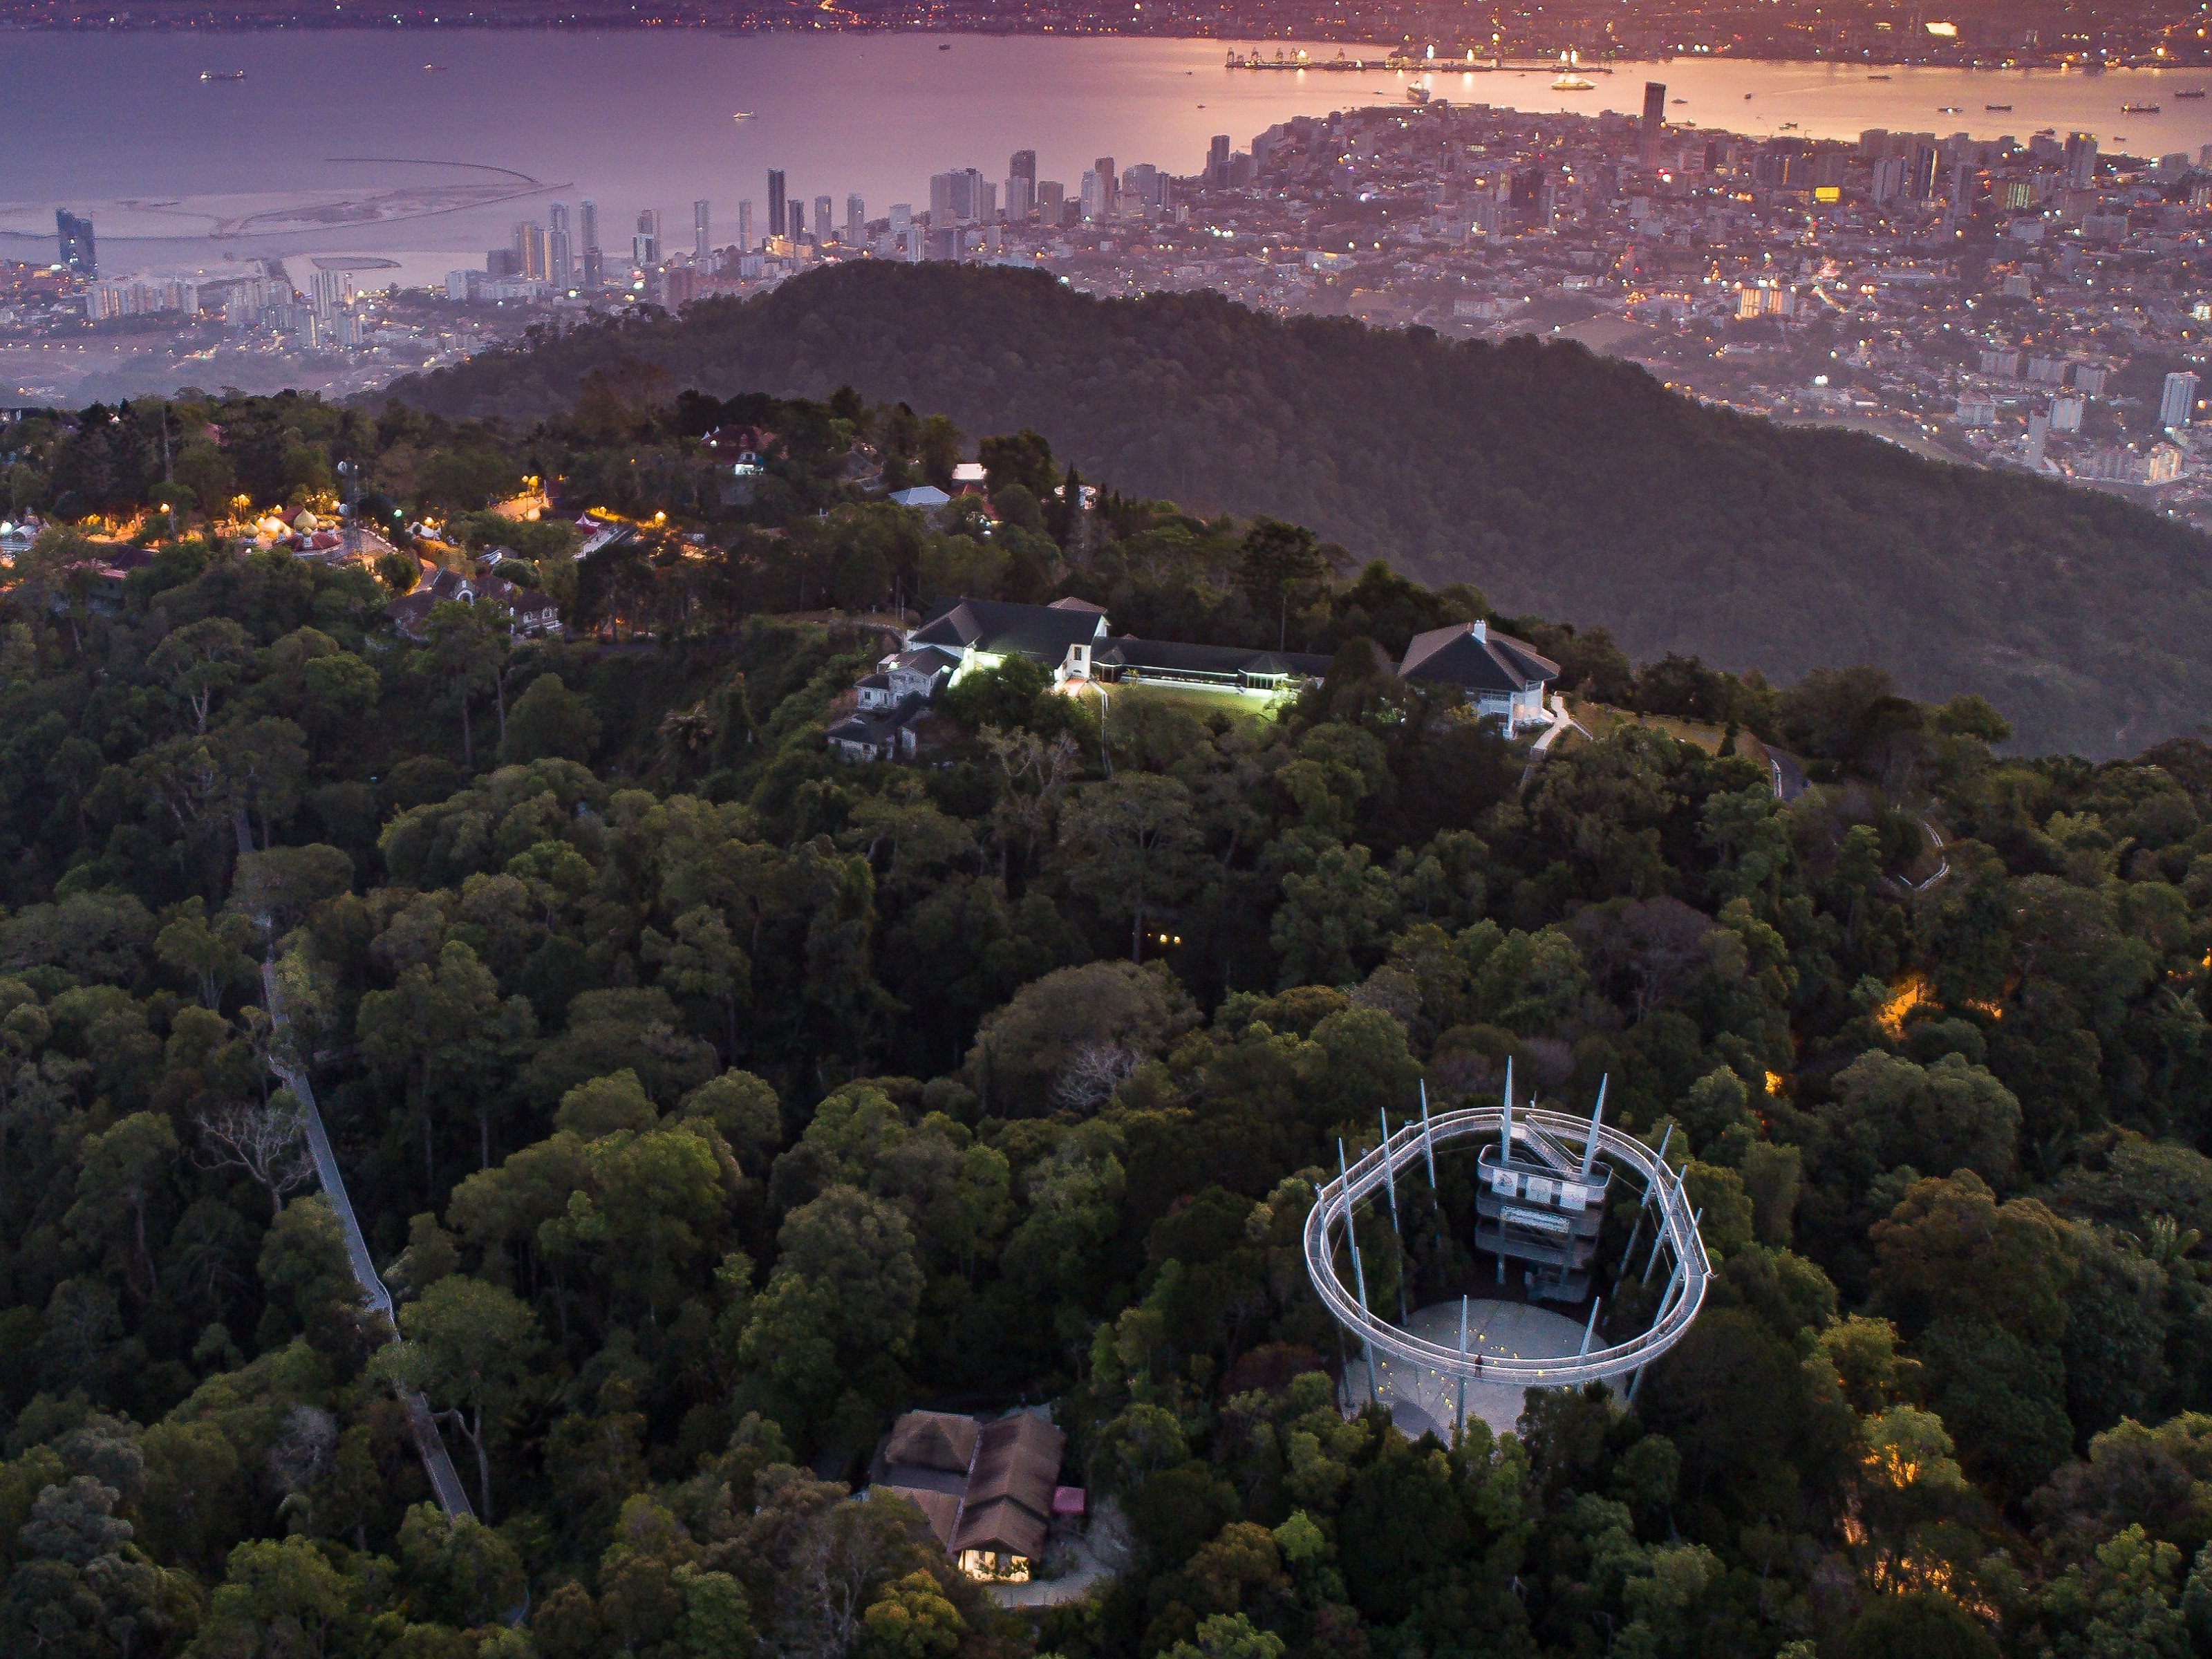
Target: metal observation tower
{"points": [[1540, 1202]]}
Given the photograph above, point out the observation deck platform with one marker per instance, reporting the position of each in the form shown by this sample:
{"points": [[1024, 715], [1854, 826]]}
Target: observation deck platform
{"points": [[1423, 1400]]}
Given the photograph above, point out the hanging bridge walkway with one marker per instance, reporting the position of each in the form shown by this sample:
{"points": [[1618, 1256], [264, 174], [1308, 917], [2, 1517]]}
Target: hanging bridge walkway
{"points": [[429, 1444]]}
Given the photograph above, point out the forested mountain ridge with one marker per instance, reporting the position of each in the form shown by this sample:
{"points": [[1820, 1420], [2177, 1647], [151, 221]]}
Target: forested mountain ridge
{"points": [[1557, 482], [706, 1102]]}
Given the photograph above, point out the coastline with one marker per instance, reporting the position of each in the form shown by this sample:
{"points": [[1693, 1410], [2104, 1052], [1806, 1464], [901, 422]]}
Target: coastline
{"points": [[741, 26]]}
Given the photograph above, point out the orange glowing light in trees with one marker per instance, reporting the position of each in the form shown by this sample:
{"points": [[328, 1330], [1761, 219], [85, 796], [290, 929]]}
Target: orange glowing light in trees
{"points": [[1902, 1000]]}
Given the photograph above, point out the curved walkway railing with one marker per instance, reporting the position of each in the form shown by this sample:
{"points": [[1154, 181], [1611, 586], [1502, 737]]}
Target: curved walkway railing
{"points": [[1678, 1233]]}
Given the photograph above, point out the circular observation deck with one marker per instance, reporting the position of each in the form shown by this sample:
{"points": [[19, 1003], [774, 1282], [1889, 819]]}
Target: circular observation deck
{"points": [[1409, 1145]]}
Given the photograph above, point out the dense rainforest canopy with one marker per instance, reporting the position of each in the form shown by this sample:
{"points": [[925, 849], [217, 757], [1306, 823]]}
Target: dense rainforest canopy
{"points": [[1555, 481], [706, 1102]]}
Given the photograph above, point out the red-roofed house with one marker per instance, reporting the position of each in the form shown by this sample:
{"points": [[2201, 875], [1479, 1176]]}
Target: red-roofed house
{"points": [[989, 1491]]}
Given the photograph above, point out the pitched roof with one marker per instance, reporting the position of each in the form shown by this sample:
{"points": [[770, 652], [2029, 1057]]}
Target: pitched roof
{"points": [[1000, 1525], [981, 1485], [933, 1440], [940, 1508], [878, 726], [923, 659], [1009, 1504], [1174, 656], [1034, 630], [1018, 1461], [739, 437], [410, 612], [438, 584], [1468, 654]]}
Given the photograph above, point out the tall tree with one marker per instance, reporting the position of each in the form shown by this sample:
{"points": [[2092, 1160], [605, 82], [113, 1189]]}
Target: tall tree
{"points": [[468, 1347]]}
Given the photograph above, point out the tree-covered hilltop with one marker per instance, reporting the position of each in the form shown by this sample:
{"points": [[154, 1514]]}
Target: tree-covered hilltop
{"points": [[706, 1102], [1554, 480]]}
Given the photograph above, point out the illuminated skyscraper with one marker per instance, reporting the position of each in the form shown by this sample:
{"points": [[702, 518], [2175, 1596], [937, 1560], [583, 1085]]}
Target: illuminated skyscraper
{"points": [[703, 245], [645, 247], [856, 220], [1920, 172], [825, 222], [745, 227], [531, 258]]}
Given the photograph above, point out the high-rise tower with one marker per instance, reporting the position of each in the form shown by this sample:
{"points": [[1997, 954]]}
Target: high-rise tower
{"points": [[594, 272], [74, 237], [1655, 122]]}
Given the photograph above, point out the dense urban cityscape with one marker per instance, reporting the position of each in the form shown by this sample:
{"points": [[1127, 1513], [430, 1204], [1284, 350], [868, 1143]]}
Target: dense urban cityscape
{"points": [[1970, 32], [2028, 302]]}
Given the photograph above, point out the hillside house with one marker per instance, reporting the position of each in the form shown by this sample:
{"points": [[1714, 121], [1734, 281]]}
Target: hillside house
{"points": [[920, 673], [882, 724], [1498, 675], [987, 1490], [984, 633], [877, 734], [532, 614], [740, 457]]}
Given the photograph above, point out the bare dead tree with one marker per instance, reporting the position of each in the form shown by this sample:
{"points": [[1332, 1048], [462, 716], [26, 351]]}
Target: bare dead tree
{"points": [[269, 1141], [303, 1453], [1093, 1072]]}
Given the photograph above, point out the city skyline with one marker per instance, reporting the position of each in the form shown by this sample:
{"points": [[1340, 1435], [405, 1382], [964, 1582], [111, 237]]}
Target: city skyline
{"points": [[1649, 238]]}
